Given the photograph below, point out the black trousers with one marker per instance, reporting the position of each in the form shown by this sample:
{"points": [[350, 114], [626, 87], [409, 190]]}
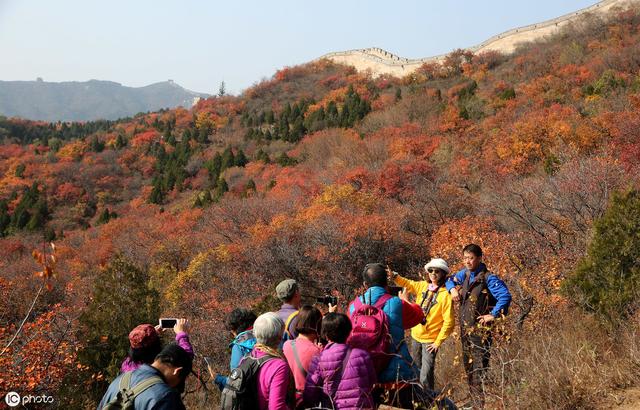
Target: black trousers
{"points": [[476, 354]]}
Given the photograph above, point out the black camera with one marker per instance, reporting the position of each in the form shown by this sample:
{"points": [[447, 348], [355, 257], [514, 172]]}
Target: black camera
{"points": [[394, 290], [327, 299]]}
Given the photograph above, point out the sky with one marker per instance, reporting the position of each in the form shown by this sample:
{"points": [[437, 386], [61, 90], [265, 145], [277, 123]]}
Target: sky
{"points": [[199, 44]]}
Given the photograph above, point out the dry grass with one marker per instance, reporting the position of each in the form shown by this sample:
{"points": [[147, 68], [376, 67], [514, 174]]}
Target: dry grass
{"points": [[573, 362]]}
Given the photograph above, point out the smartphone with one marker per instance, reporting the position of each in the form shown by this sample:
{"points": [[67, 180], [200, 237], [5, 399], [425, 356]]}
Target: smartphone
{"points": [[394, 290], [168, 322]]}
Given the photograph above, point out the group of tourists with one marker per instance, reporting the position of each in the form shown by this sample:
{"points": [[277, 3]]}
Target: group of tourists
{"points": [[299, 358]]}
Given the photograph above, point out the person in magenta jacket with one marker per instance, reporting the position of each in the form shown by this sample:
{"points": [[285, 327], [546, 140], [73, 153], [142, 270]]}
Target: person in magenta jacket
{"points": [[145, 344], [274, 377], [340, 377]]}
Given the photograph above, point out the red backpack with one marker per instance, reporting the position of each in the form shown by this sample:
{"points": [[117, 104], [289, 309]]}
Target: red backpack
{"points": [[371, 331]]}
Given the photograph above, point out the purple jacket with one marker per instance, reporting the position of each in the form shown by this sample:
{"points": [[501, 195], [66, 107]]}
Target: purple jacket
{"points": [[285, 311], [354, 388], [182, 339]]}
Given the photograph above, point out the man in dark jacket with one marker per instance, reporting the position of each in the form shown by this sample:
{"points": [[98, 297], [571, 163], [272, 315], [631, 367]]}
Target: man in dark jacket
{"points": [[169, 372], [483, 297]]}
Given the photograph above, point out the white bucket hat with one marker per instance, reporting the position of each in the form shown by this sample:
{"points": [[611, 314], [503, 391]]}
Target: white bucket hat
{"points": [[438, 263]]}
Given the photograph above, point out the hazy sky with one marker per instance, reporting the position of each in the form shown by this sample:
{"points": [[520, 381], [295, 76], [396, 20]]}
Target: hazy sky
{"points": [[198, 44]]}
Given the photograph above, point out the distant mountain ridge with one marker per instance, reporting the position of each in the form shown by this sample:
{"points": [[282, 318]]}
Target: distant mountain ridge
{"points": [[89, 100]]}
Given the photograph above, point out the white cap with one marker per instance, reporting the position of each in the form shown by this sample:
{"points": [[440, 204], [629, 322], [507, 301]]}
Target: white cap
{"points": [[438, 263]]}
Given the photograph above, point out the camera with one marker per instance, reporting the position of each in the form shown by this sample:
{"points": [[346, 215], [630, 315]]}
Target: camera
{"points": [[327, 299], [168, 322], [394, 290]]}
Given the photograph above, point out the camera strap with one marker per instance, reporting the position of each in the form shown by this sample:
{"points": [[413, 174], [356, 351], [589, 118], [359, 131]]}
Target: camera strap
{"points": [[432, 300]]}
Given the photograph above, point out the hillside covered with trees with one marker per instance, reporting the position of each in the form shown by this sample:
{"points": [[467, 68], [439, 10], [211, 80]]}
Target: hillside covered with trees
{"points": [[314, 173]]}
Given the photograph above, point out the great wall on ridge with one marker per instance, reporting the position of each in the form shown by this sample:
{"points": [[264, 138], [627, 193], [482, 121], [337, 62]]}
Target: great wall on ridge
{"points": [[379, 61]]}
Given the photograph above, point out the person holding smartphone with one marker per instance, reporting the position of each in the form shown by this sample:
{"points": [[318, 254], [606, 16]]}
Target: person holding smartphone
{"points": [[436, 303], [145, 343]]}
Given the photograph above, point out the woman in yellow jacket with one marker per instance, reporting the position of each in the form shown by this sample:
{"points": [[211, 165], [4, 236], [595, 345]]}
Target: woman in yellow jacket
{"points": [[436, 303]]}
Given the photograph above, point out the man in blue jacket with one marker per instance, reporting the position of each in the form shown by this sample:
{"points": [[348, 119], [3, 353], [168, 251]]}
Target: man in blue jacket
{"points": [[401, 367], [483, 297], [156, 386]]}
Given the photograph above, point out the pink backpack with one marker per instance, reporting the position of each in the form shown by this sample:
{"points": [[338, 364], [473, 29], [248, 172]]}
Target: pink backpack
{"points": [[371, 331]]}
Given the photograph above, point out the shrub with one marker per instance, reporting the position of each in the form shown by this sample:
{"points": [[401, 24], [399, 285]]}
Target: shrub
{"points": [[606, 279]]}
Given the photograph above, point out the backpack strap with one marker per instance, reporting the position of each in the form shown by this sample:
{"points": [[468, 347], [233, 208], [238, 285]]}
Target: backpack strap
{"points": [[382, 300], [127, 393], [145, 384], [340, 373], [297, 358], [262, 360], [288, 323], [125, 381], [356, 304]]}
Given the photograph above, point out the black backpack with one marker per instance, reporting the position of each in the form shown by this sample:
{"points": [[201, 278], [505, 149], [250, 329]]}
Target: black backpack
{"points": [[241, 390], [127, 394]]}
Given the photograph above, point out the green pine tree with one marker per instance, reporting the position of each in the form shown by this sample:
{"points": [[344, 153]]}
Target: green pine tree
{"points": [[606, 280], [241, 159], [156, 196], [104, 217], [121, 300], [121, 141], [220, 189], [20, 170], [228, 159]]}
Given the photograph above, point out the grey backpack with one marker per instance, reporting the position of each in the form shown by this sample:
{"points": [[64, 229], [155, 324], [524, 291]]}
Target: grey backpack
{"points": [[241, 390]]}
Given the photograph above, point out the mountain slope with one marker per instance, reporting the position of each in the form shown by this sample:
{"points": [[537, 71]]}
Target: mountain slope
{"points": [[90, 100]]}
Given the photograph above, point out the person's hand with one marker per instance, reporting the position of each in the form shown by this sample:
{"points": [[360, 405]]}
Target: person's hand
{"points": [[486, 319], [182, 325], [333, 308], [159, 328], [404, 294], [432, 348], [455, 295], [390, 273]]}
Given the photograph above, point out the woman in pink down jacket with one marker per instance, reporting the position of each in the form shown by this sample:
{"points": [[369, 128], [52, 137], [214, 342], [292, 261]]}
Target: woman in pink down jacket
{"points": [[274, 376], [340, 377]]}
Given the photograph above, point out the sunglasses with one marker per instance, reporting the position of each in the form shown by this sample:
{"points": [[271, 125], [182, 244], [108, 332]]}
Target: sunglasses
{"points": [[434, 270]]}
